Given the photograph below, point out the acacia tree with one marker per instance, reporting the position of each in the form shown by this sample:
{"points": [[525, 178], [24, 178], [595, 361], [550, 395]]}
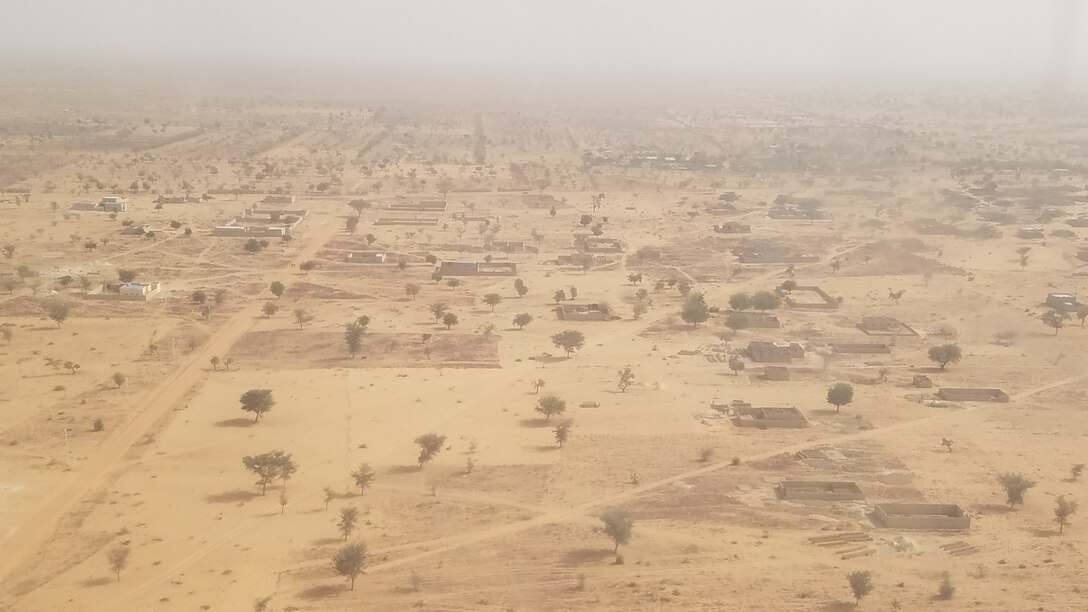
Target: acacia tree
{"points": [[736, 363], [444, 185], [277, 288], [58, 312], [559, 295], [412, 290], [269, 466], [363, 476], [1082, 313], [1075, 471], [288, 467], [349, 561], [449, 320], [519, 286], [627, 378], [270, 308], [1015, 485], [695, 309], [118, 559], [348, 518], [765, 300], [522, 319], [945, 354], [861, 584], [570, 340], [1054, 320], [618, 526], [438, 310], [430, 444], [119, 379], [492, 300], [359, 206], [840, 394], [737, 321], [1063, 510], [353, 334], [551, 405], [257, 401], [302, 317], [538, 384], [562, 432]]}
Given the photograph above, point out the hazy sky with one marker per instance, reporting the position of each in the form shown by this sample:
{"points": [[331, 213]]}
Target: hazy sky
{"points": [[1036, 39]]}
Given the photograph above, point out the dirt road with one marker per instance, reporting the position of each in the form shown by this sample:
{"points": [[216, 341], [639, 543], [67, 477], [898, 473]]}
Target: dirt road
{"points": [[156, 404]]}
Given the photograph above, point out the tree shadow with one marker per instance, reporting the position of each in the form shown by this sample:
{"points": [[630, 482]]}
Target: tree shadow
{"points": [[239, 422], [548, 359], [991, 508], [231, 497], [326, 541], [402, 469], [96, 582], [533, 422], [1045, 533], [586, 555], [545, 448], [838, 606], [321, 591]]}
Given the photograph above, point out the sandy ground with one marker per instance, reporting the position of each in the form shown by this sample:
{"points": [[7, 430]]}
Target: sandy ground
{"points": [[504, 519]]}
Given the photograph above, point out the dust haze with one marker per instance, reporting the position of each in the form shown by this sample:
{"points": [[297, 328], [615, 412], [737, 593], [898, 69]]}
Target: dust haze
{"points": [[525, 306]]}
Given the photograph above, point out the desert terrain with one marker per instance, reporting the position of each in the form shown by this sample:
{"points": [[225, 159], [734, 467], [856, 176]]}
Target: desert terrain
{"points": [[371, 263]]}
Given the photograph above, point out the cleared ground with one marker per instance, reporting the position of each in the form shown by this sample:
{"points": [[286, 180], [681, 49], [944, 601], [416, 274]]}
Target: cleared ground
{"points": [[503, 518]]}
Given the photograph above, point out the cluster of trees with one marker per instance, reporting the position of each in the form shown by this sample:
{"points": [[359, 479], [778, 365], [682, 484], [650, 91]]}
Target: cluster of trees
{"points": [[861, 586], [1016, 484], [441, 313], [215, 361], [269, 467], [1056, 320], [761, 300], [353, 334], [255, 246]]}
